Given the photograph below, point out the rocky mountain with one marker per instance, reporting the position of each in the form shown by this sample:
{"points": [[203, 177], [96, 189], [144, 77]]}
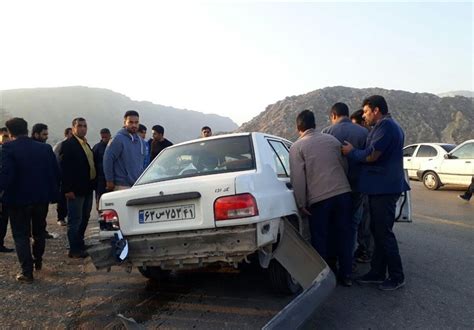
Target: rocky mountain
{"points": [[457, 93], [424, 117], [56, 107]]}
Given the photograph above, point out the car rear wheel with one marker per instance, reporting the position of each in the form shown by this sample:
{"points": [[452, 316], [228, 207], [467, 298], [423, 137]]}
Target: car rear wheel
{"points": [[154, 273], [281, 280], [431, 180]]}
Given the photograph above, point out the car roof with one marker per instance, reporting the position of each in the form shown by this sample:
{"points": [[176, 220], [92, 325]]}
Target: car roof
{"points": [[225, 136]]}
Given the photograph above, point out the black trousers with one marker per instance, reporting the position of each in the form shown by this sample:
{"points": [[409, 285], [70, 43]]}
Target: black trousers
{"points": [[3, 224], [61, 207], [386, 254], [470, 189], [27, 221]]}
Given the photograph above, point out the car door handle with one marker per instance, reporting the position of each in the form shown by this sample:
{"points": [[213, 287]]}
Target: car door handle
{"points": [[468, 162], [408, 160], [289, 185]]}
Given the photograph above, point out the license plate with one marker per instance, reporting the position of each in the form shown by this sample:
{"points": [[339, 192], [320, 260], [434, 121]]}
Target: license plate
{"points": [[170, 213]]}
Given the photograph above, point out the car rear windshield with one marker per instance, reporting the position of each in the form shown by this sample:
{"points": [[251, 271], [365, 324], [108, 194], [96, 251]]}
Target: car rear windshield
{"points": [[448, 147], [204, 157]]}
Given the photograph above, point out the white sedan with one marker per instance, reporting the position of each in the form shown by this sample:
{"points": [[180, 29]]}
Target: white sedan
{"points": [[455, 168], [416, 154]]}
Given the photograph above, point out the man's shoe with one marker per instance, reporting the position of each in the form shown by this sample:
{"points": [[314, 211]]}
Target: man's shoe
{"points": [[22, 278], [5, 249], [370, 278], [38, 264], [78, 255], [345, 281], [390, 285], [62, 222], [464, 198]]}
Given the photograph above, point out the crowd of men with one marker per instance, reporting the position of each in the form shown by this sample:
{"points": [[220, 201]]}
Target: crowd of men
{"points": [[33, 175], [347, 180]]}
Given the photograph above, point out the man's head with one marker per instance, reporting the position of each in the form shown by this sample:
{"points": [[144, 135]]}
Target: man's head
{"points": [[131, 120], [142, 131], [375, 108], [157, 132], [356, 117], [105, 135], [17, 127], [206, 132], [79, 127], [68, 132], [4, 136], [338, 110], [39, 132], [305, 120]]}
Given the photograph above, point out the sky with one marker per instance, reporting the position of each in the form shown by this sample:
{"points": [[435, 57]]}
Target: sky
{"points": [[235, 58]]}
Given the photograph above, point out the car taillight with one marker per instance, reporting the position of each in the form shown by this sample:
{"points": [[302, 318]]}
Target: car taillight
{"points": [[108, 220], [234, 207]]}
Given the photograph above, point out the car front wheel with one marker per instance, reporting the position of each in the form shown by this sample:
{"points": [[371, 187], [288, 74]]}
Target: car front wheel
{"points": [[431, 180]]}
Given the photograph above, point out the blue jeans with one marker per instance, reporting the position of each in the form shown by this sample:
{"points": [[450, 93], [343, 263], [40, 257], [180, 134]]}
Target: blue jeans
{"points": [[332, 231], [79, 210], [363, 241], [386, 255]]}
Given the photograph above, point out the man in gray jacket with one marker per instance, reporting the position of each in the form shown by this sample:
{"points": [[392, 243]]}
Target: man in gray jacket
{"points": [[124, 156], [322, 192]]}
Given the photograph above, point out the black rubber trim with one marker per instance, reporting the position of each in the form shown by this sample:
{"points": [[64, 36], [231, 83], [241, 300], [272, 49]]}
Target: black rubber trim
{"points": [[164, 198]]}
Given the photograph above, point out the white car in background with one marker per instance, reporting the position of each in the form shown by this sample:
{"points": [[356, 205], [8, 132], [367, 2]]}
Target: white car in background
{"points": [[416, 154], [454, 168]]}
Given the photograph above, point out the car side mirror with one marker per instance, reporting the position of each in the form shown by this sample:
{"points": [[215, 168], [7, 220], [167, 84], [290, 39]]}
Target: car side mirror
{"points": [[447, 156]]}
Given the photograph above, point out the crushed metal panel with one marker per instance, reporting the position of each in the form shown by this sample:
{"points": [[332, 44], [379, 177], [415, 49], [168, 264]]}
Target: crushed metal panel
{"points": [[310, 270], [298, 257]]}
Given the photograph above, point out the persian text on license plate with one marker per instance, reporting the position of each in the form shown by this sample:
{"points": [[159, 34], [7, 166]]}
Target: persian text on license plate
{"points": [[170, 213]]}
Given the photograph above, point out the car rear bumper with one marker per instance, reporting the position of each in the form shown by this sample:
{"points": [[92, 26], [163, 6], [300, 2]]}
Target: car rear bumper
{"points": [[181, 250]]}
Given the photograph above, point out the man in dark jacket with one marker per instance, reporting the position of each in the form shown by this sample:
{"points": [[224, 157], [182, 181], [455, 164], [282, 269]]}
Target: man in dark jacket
{"points": [[61, 207], [382, 178], [4, 138], [99, 150], [29, 179], [158, 142], [78, 179]]}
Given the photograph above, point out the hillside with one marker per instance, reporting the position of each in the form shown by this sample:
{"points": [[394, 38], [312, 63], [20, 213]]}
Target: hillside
{"points": [[56, 107], [424, 117]]}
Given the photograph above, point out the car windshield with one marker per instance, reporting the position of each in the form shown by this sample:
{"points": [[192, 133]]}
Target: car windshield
{"points": [[203, 157], [448, 147]]}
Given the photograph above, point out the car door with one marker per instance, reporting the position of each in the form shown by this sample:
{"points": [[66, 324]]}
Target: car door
{"points": [[458, 166], [423, 154], [408, 153]]}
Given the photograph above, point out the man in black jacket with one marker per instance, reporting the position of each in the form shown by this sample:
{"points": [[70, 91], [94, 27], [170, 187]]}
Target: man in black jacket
{"points": [[99, 150], [29, 179], [78, 179]]}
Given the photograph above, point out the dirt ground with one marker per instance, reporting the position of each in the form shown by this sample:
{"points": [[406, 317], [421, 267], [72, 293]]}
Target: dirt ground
{"points": [[54, 299]]}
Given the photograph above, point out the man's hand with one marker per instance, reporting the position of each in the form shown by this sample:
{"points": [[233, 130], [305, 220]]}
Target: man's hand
{"points": [[110, 186], [346, 148], [304, 211], [70, 195]]}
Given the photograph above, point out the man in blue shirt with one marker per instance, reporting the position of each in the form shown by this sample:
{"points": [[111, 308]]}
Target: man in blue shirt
{"points": [[382, 179], [124, 155]]}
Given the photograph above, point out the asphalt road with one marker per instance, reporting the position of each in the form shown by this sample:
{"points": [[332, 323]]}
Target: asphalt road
{"points": [[437, 252]]}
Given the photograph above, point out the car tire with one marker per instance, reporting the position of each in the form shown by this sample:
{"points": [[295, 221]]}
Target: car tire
{"points": [[431, 180], [154, 273], [281, 280]]}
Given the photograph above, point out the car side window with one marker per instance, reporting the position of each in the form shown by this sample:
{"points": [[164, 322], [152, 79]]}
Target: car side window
{"points": [[281, 157], [426, 151], [465, 152], [408, 151]]}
